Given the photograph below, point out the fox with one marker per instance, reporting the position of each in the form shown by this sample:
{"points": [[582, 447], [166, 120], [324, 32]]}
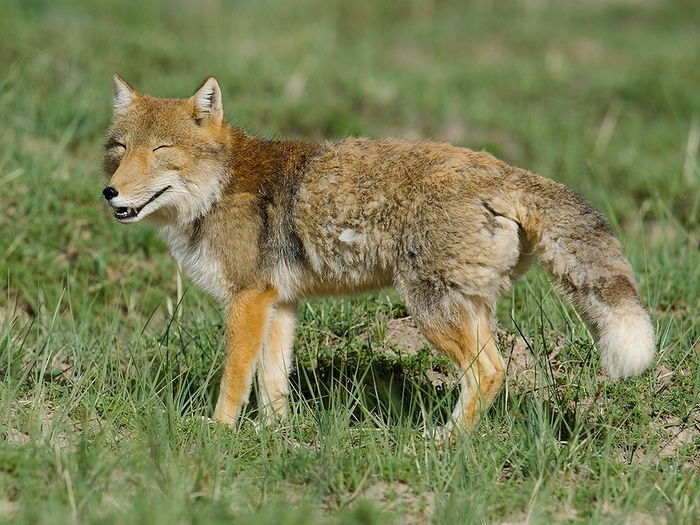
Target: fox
{"points": [[263, 224]]}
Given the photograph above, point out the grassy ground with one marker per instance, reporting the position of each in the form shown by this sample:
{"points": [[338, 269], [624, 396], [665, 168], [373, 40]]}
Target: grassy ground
{"points": [[104, 378]]}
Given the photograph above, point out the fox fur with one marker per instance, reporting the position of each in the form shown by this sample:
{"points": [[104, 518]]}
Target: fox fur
{"points": [[263, 224]]}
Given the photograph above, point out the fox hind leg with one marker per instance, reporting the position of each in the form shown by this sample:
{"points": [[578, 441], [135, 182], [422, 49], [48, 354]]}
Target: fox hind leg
{"points": [[275, 363], [468, 340]]}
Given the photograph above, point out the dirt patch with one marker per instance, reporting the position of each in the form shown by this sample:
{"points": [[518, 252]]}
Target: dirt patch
{"points": [[681, 436], [644, 518], [397, 497], [16, 437], [394, 335], [519, 358], [404, 334], [8, 509], [45, 425]]}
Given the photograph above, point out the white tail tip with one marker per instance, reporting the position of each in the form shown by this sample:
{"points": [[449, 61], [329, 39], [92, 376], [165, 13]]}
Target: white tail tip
{"points": [[627, 341]]}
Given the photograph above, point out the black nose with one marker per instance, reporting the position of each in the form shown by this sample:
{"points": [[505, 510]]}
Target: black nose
{"points": [[109, 193]]}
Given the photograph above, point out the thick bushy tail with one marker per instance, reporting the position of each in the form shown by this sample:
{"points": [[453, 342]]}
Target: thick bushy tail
{"points": [[577, 247]]}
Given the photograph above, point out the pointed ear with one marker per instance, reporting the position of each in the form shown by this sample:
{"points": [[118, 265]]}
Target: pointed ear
{"points": [[124, 95], [207, 103]]}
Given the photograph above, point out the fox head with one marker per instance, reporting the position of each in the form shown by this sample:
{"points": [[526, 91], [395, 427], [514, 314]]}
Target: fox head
{"points": [[165, 158]]}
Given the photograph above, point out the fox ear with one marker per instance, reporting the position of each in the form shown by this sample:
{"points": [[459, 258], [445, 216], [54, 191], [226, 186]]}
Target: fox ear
{"points": [[124, 95], [207, 102]]}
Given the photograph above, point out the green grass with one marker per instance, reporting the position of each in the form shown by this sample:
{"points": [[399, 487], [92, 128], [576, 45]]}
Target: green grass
{"points": [[105, 378]]}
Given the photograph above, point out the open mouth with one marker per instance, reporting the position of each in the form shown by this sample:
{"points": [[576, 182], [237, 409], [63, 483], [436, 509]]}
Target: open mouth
{"points": [[124, 213]]}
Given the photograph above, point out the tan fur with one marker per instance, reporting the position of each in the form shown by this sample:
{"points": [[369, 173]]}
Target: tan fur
{"points": [[264, 224], [247, 326], [276, 361]]}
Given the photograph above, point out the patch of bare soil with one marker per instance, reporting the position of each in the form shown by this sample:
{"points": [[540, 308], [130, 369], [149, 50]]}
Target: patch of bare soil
{"points": [[403, 333], [8, 509], [414, 507], [46, 425], [397, 497], [680, 436]]}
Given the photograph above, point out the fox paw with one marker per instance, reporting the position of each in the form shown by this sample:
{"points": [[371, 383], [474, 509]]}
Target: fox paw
{"points": [[441, 435]]}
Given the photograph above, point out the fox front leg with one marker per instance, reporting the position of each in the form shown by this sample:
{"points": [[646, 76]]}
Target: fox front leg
{"points": [[276, 362], [247, 325]]}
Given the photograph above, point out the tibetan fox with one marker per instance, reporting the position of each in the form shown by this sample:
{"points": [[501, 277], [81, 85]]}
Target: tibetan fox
{"points": [[263, 224]]}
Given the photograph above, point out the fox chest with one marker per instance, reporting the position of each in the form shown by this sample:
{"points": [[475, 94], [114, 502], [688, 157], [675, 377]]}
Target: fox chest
{"points": [[199, 260]]}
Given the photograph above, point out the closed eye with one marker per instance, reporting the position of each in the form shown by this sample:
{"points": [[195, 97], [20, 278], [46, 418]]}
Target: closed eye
{"points": [[162, 146]]}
